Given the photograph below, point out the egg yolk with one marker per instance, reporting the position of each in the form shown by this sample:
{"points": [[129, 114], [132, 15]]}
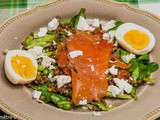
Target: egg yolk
{"points": [[137, 39], [23, 66]]}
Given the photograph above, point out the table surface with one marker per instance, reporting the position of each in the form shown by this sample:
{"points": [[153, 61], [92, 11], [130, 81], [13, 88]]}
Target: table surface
{"points": [[9, 8]]}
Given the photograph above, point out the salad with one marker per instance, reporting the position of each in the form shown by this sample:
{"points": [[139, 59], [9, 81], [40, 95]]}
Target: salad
{"points": [[79, 62]]}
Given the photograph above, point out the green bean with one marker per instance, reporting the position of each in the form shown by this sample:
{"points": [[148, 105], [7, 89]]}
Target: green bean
{"points": [[40, 68], [120, 96], [101, 106], [66, 105], [46, 71]]}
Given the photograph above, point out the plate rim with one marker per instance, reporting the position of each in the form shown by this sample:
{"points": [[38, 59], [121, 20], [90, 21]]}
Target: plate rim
{"points": [[5, 108]]}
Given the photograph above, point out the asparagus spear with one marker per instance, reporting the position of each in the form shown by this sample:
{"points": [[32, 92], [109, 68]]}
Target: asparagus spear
{"points": [[45, 41], [101, 106], [120, 96]]}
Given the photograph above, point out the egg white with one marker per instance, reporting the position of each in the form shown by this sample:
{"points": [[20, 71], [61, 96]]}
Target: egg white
{"points": [[10, 72], [122, 29]]}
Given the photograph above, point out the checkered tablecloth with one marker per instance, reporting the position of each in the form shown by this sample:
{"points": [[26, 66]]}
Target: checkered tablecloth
{"points": [[9, 8]]}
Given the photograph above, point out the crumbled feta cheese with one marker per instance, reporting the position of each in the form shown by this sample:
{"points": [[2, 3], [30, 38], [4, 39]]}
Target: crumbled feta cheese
{"points": [[83, 102], [114, 90], [47, 61], [53, 24], [54, 43], [105, 36], [75, 53], [83, 25], [50, 75], [116, 43], [113, 70], [123, 85], [93, 22], [62, 80], [106, 71], [42, 32], [36, 94], [68, 33], [128, 58], [36, 52], [108, 25], [111, 34]]}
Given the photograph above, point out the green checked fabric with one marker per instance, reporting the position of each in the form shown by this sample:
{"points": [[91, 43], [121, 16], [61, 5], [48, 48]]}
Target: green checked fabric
{"points": [[9, 8]]}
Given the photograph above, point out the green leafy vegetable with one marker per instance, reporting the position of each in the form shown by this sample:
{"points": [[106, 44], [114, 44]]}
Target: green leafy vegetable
{"points": [[141, 68], [75, 19], [65, 21], [121, 52], [144, 57], [152, 67], [117, 24]]}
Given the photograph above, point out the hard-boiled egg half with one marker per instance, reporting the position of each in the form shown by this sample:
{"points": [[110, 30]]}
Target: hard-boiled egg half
{"points": [[20, 67], [135, 38]]}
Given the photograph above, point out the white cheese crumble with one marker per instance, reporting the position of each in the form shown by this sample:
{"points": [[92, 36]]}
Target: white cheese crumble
{"points": [[36, 94], [68, 33], [36, 52], [123, 85], [106, 71], [114, 90], [116, 43], [50, 75], [83, 102], [109, 36], [75, 53], [128, 58], [42, 32], [93, 22], [113, 70], [108, 25], [53, 24], [47, 62], [62, 80], [105, 36], [83, 25]]}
